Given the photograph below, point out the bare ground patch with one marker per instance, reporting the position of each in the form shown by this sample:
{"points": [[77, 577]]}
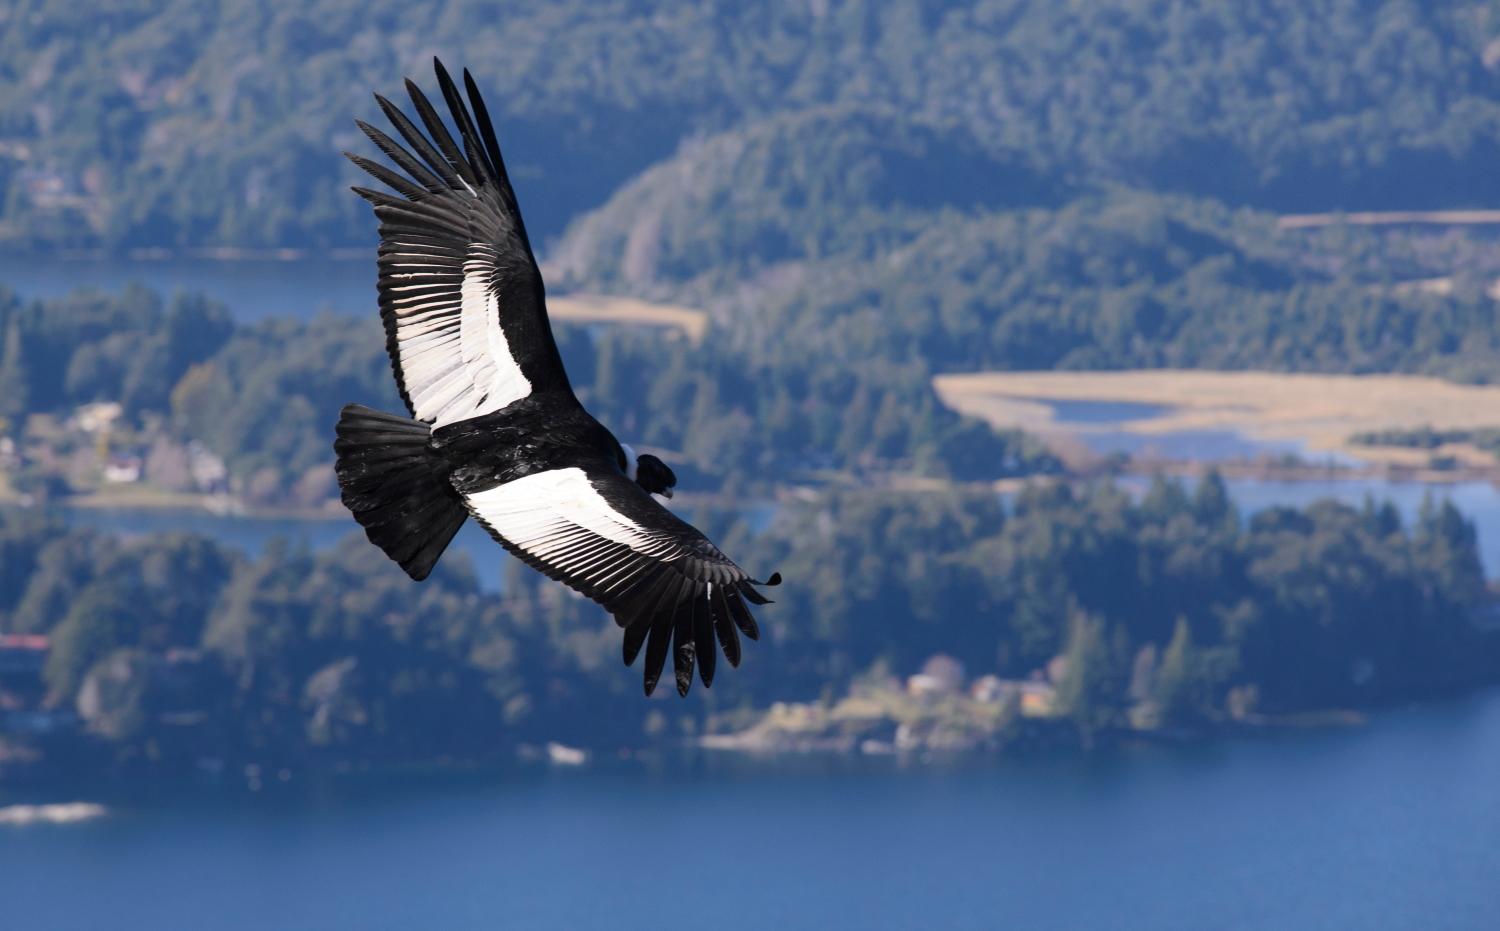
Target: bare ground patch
{"points": [[603, 308], [1321, 411]]}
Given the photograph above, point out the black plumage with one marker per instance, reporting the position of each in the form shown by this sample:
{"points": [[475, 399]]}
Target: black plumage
{"points": [[495, 431]]}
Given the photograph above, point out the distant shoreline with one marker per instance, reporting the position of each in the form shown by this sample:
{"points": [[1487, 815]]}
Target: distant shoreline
{"points": [[1041, 737], [144, 499], [958, 726]]}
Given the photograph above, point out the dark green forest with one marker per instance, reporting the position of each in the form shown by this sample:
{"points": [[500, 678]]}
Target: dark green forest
{"points": [[145, 123], [179, 648]]}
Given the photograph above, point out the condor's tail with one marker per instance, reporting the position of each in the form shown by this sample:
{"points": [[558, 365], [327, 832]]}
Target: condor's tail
{"points": [[396, 487]]}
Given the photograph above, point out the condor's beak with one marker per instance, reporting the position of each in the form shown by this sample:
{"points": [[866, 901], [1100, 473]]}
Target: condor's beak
{"points": [[666, 492]]}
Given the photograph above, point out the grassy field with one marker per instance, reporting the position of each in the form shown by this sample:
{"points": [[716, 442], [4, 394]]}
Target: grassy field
{"points": [[1321, 411], [601, 308]]}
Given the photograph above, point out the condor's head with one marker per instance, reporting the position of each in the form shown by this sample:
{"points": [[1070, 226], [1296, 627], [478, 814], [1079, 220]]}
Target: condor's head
{"points": [[649, 472]]}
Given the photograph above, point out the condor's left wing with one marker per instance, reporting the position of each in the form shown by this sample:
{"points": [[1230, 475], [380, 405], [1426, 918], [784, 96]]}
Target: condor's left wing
{"points": [[460, 292], [600, 534]]}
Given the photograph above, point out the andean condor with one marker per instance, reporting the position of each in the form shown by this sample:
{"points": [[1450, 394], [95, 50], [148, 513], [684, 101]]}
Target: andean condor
{"points": [[496, 432]]}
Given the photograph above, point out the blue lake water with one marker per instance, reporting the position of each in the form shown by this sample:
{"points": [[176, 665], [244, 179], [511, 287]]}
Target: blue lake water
{"points": [[1392, 826], [1099, 425], [1066, 411], [251, 289], [1190, 445], [251, 534]]}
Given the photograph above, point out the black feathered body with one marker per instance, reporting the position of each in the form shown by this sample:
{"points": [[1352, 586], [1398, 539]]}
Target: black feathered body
{"points": [[535, 434]]}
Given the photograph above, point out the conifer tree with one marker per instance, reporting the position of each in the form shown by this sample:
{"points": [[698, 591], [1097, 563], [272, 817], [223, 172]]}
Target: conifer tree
{"points": [[13, 395]]}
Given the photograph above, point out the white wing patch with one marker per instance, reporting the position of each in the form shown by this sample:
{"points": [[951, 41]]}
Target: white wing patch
{"points": [[558, 517], [486, 352], [455, 360]]}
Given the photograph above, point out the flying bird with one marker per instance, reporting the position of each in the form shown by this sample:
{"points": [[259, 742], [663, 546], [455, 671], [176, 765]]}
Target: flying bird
{"points": [[496, 432]]}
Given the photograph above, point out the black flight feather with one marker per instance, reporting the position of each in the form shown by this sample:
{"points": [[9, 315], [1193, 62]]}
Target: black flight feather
{"points": [[391, 179], [657, 643], [474, 151], [401, 157], [683, 649], [420, 145], [487, 133], [439, 134], [703, 638], [753, 596], [729, 638], [743, 619]]}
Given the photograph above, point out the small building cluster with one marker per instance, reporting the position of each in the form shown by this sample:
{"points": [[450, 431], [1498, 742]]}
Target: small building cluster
{"points": [[943, 676]]}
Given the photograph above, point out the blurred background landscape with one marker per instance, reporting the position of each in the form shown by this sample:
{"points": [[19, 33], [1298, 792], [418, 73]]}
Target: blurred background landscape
{"points": [[1117, 385]]}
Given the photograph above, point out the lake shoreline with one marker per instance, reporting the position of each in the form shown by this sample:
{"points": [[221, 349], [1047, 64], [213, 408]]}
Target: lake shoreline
{"points": [[145, 498], [114, 782]]}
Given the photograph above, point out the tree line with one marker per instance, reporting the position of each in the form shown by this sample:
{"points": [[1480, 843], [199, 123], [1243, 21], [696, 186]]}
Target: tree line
{"points": [[176, 647]]}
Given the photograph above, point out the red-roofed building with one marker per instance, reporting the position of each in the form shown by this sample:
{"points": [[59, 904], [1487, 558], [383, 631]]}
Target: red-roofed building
{"points": [[23, 654]]}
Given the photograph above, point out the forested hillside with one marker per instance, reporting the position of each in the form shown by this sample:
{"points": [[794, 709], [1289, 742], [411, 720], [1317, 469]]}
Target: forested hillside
{"points": [[938, 185], [142, 123]]}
